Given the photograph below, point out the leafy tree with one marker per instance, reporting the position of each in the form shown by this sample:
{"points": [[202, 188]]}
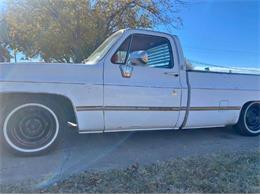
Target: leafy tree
{"points": [[4, 54], [69, 30], [4, 41]]}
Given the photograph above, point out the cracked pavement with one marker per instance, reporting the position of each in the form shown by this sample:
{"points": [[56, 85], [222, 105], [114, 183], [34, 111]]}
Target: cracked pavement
{"points": [[77, 153]]}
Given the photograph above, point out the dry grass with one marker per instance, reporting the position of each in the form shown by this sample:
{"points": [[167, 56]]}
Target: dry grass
{"points": [[225, 173]]}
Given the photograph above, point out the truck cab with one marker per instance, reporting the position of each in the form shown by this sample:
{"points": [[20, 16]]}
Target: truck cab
{"points": [[150, 96]]}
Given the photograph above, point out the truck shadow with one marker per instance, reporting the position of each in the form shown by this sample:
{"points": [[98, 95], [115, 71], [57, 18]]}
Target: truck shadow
{"points": [[74, 140]]}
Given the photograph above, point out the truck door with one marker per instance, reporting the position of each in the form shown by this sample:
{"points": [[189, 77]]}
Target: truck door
{"points": [[144, 95]]}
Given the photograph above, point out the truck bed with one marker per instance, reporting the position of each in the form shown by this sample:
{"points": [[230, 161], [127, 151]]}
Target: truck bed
{"points": [[219, 90]]}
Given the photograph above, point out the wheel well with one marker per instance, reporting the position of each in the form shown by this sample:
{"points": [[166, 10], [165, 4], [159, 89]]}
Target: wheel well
{"points": [[243, 108], [247, 103], [64, 102]]}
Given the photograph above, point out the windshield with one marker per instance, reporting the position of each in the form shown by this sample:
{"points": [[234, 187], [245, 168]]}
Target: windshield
{"points": [[101, 51]]}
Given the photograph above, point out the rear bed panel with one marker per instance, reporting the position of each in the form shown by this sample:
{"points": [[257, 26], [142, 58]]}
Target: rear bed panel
{"points": [[217, 98]]}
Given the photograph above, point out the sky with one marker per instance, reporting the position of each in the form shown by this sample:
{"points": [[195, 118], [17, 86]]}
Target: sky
{"points": [[221, 32]]}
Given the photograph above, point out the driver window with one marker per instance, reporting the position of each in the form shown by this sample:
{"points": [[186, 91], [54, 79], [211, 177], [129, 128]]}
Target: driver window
{"points": [[157, 48]]}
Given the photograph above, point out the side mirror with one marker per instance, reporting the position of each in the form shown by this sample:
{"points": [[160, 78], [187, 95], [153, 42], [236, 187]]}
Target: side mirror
{"points": [[138, 58], [135, 58]]}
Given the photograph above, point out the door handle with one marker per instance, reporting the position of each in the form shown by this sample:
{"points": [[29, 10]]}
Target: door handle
{"points": [[174, 92], [171, 74]]}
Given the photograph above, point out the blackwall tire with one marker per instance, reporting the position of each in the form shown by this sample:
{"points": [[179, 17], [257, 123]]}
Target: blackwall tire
{"points": [[249, 121], [31, 127]]}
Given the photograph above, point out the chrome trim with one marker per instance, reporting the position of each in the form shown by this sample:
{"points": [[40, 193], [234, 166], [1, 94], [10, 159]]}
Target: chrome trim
{"points": [[222, 89], [215, 108], [232, 73], [90, 131], [143, 108], [89, 108], [205, 88], [43, 82], [139, 129], [126, 108], [141, 86]]}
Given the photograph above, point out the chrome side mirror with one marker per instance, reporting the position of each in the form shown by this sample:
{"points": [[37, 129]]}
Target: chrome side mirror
{"points": [[139, 58]]}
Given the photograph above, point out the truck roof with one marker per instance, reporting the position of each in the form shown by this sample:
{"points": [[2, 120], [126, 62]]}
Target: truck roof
{"points": [[146, 30]]}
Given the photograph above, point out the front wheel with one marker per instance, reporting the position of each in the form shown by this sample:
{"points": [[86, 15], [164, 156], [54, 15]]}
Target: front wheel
{"points": [[31, 128], [249, 122]]}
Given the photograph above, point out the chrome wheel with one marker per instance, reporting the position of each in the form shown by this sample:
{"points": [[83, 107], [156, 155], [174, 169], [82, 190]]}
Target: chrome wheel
{"points": [[31, 128], [252, 117]]}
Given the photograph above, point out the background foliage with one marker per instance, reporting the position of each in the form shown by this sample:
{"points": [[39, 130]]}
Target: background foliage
{"points": [[69, 30]]}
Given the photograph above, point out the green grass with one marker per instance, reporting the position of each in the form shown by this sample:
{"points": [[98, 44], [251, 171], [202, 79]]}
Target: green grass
{"points": [[224, 173]]}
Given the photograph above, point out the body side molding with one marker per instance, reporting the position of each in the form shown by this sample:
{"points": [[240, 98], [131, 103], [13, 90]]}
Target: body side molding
{"points": [[144, 108]]}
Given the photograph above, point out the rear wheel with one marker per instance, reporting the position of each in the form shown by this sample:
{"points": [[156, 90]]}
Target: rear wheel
{"points": [[249, 122], [31, 127]]}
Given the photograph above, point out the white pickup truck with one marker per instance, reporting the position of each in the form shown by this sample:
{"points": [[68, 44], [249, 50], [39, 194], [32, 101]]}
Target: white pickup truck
{"points": [[135, 80]]}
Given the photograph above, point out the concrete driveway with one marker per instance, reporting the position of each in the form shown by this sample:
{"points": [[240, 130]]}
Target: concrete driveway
{"points": [[117, 150]]}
